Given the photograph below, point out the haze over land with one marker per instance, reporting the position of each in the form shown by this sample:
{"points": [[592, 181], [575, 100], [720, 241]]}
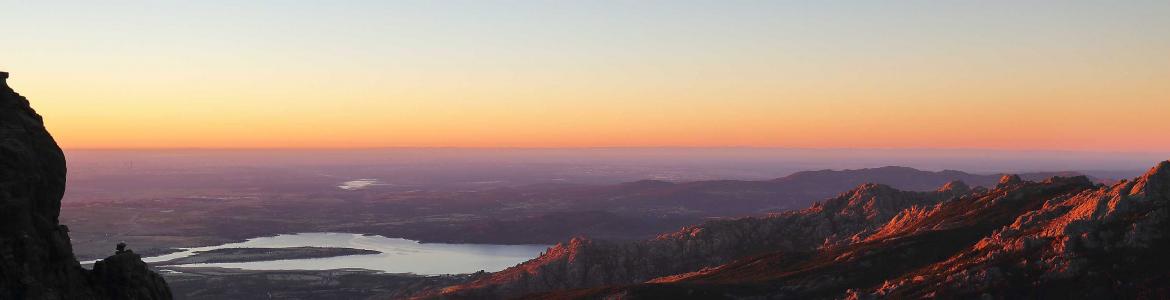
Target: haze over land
{"points": [[163, 199], [608, 165]]}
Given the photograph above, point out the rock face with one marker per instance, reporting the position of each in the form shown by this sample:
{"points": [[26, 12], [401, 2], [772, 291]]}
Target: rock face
{"points": [[125, 276], [1105, 243], [1060, 238], [36, 259], [581, 262]]}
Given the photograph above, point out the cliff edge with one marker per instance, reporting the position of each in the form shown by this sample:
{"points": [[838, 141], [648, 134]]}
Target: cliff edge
{"points": [[36, 258]]}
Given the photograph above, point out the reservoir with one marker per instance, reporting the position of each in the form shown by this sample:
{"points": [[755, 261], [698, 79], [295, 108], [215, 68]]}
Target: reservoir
{"points": [[398, 255]]}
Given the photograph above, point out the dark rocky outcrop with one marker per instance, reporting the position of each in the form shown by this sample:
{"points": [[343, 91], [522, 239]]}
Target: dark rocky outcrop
{"points": [[36, 259], [125, 276]]}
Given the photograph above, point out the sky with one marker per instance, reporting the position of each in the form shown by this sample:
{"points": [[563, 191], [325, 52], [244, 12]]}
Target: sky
{"points": [[1015, 75]]}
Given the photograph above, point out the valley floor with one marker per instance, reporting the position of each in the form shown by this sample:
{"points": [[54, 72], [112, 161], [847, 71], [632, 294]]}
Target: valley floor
{"points": [[218, 283]]}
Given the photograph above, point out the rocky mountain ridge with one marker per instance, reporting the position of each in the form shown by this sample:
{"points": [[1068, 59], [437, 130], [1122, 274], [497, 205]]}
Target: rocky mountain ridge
{"points": [[1060, 237], [1106, 242], [584, 263], [632, 211]]}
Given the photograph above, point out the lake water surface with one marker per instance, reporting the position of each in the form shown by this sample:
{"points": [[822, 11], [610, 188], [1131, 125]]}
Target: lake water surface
{"points": [[398, 255]]}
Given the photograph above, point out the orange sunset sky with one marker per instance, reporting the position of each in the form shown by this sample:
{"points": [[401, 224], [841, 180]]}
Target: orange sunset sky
{"points": [[1067, 75]]}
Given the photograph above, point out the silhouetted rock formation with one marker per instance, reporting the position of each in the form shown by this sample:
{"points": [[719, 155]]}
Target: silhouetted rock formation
{"points": [[125, 276], [36, 259]]}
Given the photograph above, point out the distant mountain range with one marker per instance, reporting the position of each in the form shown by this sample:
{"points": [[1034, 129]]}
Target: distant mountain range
{"points": [[734, 197], [1061, 237], [642, 209]]}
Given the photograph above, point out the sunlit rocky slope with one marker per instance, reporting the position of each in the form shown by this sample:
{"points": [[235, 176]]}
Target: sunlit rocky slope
{"points": [[1060, 237]]}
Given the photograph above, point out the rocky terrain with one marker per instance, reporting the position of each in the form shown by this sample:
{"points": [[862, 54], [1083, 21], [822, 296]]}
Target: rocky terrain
{"points": [[1062, 237], [36, 259], [1102, 242], [582, 262]]}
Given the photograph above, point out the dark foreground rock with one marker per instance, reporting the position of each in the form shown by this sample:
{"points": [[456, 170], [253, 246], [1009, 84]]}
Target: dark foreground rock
{"points": [[125, 276], [36, 259]]}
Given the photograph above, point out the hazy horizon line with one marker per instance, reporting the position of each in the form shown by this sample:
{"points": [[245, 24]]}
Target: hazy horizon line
{"points": [[1026, 150]]}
